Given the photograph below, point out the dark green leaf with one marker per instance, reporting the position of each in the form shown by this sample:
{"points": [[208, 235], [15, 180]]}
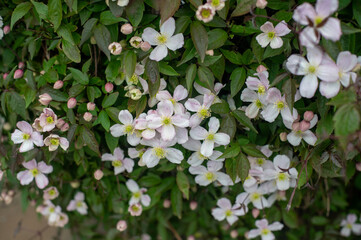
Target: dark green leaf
{"points": [[228, 125], [243, 7], [200, 39], [220, 108], [104, 120], [289, 89], [252, 151], [110, 99], [71, 51], [183, 183], [216, 38], [237, 78], [168, 8], [102, 37], [244, 166], [176, 200], [19, 12], [76, 89], [88, 30], [107, 18], [167, 69], [41, 9], [231, 152], [89, 139], [55, 13], [206, 76], [190, 75], [135, 11], [130, 60], [17, 104], [152, 72], [232, 56], [357, 11], [347, 120], [79, 77], [244, 120]]}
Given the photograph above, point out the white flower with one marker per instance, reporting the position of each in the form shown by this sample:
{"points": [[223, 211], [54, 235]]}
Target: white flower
{"points": [[256, 196], [205, 176], [272, 34], [78, 204], [264, 230], [163, 40], [217, 4], [227, 211], [121, 3], [205, 12], [119, 163], [126, 128], [50, 211], [115, 48], [53, 141], [197, 157], [180, 93], [349, 225], [295, 137], [257, 102], [26, 136], [210, 137], [36, 171], [202, 110], [205, 91], [137, 194], [318, 65]]}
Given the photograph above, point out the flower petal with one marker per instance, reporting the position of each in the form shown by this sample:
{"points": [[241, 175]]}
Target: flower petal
{"points": [[207, 148], [41, 181], [44, 168], [117, 130], [174, 155], [308, 86], [150, 35], [331, 30], [282, 29], [222, 138], [159, 53], [175, 42], [346, 61], [263, 39], [24, 127], [213, 124], [325, 8], [276, 42], [25, 177], [27, 145], [329, 89], [297, 65], [132, 186], [168, 27], [125, 117], [294, 139]]}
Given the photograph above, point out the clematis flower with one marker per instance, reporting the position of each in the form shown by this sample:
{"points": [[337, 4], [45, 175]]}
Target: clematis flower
{"points": [[137, 194], [164, 121], [160, 149], [284, 176], [119, 163], [205, 91], [48, 120], [271, 35], [206, 176], [78, 204], [152, 101], [345, 63], [36, 171], [135, 41], [53, 141], [163, 40], [260, 84], [205, 13], [264, 230], [216, 4], [50, 211], [26, 136], [210, 137], [126, 128], [50, 193], [142, 125], [227, 211], [295, 137], [202, 110], [135, 153], [197, 157], [261, 162], [349, 226], [180, 93], [135, 209], [256, 196], [257, 102], [318, 22], [317, 66], [62, 220]]}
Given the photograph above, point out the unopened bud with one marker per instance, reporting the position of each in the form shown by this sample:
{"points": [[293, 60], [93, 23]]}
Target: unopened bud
{"points": [[18, 74], [296, 126], [234, 234], [58, 84], [358, 166], [145, 46], [109, 87], [304, 125], [98, 174], [71, 103], [283, 136], [74, 184], [261, 4], [121, 225], [45, 99], [191, 237], [7, 126], [90, 106], [5, 75], [193, 205], [166, 203], [261, 68], [210, 52], [92, 40], [126, 29], [6, 29], [115, 48], [21, 65], [135, 41], [87, 116], [308, 116], [60, 123], [42, 72], [255, 212], [65, 127], [135, 94]]}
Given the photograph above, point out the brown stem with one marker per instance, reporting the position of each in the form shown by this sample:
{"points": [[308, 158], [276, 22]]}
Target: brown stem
{"points": [[175, 233]]}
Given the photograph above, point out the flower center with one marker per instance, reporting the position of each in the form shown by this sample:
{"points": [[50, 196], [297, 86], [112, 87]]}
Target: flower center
{"points": [[34, 172], [210, 136], [54, 141], [201, 156], [79, 204], [172, 100], [167, 120], [135, 208], [50, 120], [280, 105], [206, 13], [228, 213], [255, 196], [312, 69], [340, 74], [261, 89], [271, 35], [259, 104], [282, 177], [117, 163], [216, 2], [349, 226], [210, 176], [159, 152], [162, 39], [260, 161], [318, 20], [203, 113], [265, 231], [26, 136], [137, 194], [128, 128], [51, 209], [134, 79], [52, 192], [114, 48]]}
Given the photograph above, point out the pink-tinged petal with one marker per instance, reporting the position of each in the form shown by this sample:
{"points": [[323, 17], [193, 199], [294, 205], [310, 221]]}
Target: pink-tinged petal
{"points": [[181, 135], [133, 153], [64, 143], [213, 124], [44, 168], [347, 77], [282, 29], [154, 121], [351, 218], [224, 179], [24, 127], [325, 8], [192, 105], [219, 214], [287, 116], [331, 30], [303, 12], [253, 83], [180, 121], [214, 166], [202, 180], [195, 159], [208, 100], [37, 139], [133, 139], [118, 170], [108, 157], [224, 203], [294, 138], [232, 219], [356, 228], [79, 196], [148, 134], [165, 108], [168, 27], [17, 136], [198, 133], [41, 181], [145, 200], [117, 130], [222, 138], [242, 198], [159, 53], [297, 65], [346, 232], [168, 132], [218, 87], [281, 161], [150, 159], [140, 123], [175, 42], [270, 113], [274, 95], [125, 117], [309, 37], [276, 42], [27, 145], [132, 186], [276, 226], [25, 177], [197, 170], [328, 72], [346, 61], [254, 233], [248, 95], [202, 90], [263, 39], [267, 27], [308, 86], [262, 224], [195, 120], [144, 84], [309, 137], [207, 148], [151, 36], [163, 95], [192, 145], [215, 156], [30, 164], [252, 110], [71, 206], [180, 93], [174, 155], [128, 164], [315, 56], [118, 153], [329, 89]]}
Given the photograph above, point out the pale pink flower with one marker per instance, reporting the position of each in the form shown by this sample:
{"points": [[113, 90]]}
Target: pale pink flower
{"points": [[71, 103], [141, 124], [295, 137], [62, 220], [115, 48], [48, 120], [264, 230], [122, 225], [135, 41], [87, 116], [261, 4], [90, 106], [50, 211], [197, 157], [53, 141], [202, 111], [58, 84], [257, 102], [45, 99], [121, 3], [50, 193], [126, 128], [26, 136], [180, 93], [109, 87], [78, 204], [6, 29], [226, 211], [145, 46], [1, 175], [217, 4], [272, 35], [205, 91], [135, 209], [349, 226], [126, 29], [138, 194], [119, 163], [205, 12], [209, 174], [36, 171], [98, 174], [255, 195], [163, 40], [18, 74], [210, 137]]}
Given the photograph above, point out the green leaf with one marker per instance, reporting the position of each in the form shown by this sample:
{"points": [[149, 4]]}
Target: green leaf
{"points": [[232, 56], [102, 37], [244, 166], [109, 100], [89, 139], [107, 18], [289, 89], [111, 141], [17, 104], [76, 89], [349, 29], [176, 201], [41, 9], [251, 150], [115, 9], [305, 174], [343, 97], [88, 30], [183, 183], [79, 77], [257, 50], [206, 76], [65, 32], [152, 72], [168, 8], [113, 113], [19, 12], [167, 70], [347, 120], [243, 7], [289, 218], [141, 105], [243, 30], [232, 168], [220, 108], [319, 220], [244, 120], [150, 180], [237, 78], [181, 24], [357, 10], [231, 152], [200, 39], [134, 12], [228, 125], [71, 51], [216, 38], [104, 120], [130, 60], [190, 75], [55, 13], [56, 95]]}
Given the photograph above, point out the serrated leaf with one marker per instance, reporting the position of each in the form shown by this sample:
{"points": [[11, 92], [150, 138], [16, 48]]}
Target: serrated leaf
{"points": [[41, 9], [79, 77], [200, 39], [55, 12], [19, 12]]}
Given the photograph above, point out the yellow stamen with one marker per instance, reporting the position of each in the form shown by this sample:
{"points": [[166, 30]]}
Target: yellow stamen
{"points": [[312, 69], [228, 213], [205, 13], [210, 176], [159, 152], [26, 136], [261, 89], [265, 231], [117, 163], [271, 35], [50, 120], [280, 105], [203, 113], [162, 39], [34, 172], [167, 120], [54, 141], [210, 136]]}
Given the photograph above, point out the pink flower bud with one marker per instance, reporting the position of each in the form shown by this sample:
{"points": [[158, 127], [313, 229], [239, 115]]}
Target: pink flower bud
{"points": [[296, 126], [42, 72], [45, 99], [65, 127], [193, 205], [90, 106], [304, 125], [60, 123], [98, 174], [358, 166], [261, 68], [234, 234], [18, 74], [109, 87], [87, 116], [121, 225], [210, 52], [283, 136], [145, 46], [5, 75], [71, 103], [255, 212], [261, 4], [191, 237], [21, 65], [58, 84], [6, 29], [166, 203], [126, 29], [308, 116]]}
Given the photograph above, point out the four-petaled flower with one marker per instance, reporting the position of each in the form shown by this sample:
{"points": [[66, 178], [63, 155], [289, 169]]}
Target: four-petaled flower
{"points": [[271, 35], [78, 204], [26, 136], [264, 230], [119, 163], [36, 171]]}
